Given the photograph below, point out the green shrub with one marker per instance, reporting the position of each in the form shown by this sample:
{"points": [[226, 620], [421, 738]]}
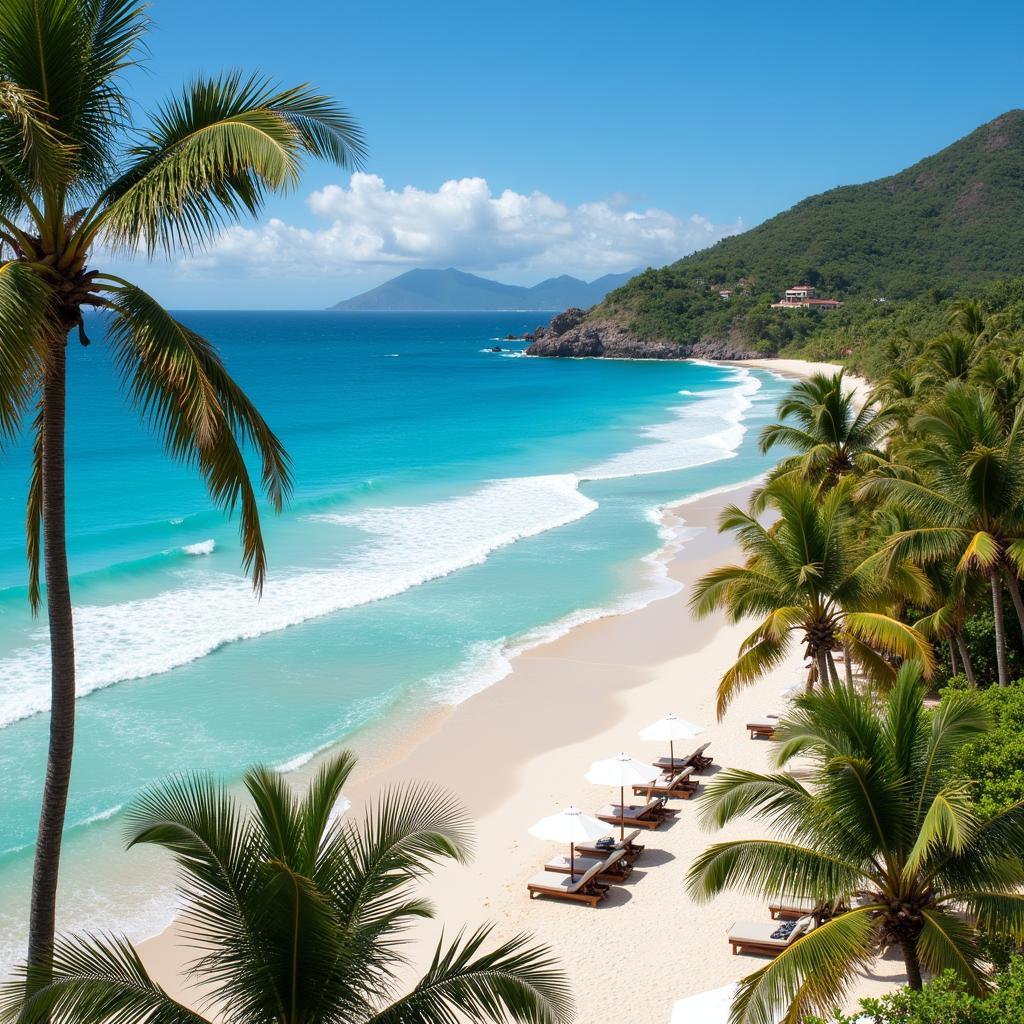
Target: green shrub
{"points": [[995, 761], [944, 1001]]}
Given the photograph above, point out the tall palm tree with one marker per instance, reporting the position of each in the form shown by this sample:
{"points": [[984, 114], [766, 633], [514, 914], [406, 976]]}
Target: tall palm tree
{"points": [[808, 574], [968, 496], [297, 916], [76, 178], [882, 824], [953, 596], [832, 437]]}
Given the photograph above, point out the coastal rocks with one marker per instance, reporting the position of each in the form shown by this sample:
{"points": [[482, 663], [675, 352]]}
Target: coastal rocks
{"points": [[571, 336]]}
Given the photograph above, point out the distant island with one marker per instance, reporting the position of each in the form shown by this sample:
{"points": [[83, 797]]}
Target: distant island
{"points": [[455, 290], [841, 275]]}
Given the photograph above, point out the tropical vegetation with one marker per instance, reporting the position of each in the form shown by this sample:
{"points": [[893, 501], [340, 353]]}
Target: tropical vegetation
{"points": [[295, 914], [880, 824], [81, 179], [895, 251], [946, 1001]]}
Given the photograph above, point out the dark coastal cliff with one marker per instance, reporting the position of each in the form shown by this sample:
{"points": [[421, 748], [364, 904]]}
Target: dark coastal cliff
{"points": [[571, 335]]}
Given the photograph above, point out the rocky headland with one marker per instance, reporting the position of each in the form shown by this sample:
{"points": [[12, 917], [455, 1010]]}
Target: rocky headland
{"points": [[571, 335]]}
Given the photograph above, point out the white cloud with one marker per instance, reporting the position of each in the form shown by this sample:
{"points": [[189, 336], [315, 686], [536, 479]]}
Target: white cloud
{"points": [[462, 224]]}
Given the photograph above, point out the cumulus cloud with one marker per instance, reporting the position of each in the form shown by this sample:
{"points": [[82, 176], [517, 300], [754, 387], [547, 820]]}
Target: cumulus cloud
{"points": [[463, 224]]}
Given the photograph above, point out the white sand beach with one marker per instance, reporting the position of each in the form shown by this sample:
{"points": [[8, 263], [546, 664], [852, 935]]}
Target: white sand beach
{"points": [[518, 751]]}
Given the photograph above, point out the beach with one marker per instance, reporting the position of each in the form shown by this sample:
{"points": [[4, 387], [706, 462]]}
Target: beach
{"points": [[517, 751]]}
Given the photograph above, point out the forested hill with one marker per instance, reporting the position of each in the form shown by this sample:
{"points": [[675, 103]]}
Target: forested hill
{"points": [[950, 224]]}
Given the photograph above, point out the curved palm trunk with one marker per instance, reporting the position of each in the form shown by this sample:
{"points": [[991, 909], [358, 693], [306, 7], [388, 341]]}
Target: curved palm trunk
{"points": [[913, 964], [1014, 588], [42, 916], [965, 658], [996, 580], [952, 656]]}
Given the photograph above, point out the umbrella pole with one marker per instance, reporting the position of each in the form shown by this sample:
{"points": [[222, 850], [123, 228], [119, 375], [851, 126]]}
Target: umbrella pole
{"points": [[572, 863], [672, 755], [622, 812]]}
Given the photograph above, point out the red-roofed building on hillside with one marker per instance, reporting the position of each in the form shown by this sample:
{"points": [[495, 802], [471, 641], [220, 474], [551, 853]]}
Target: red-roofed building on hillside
{"points": [[802, 296]]}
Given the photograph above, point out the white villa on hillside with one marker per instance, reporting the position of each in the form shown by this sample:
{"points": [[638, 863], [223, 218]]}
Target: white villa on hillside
{"points": [[803, 296]]}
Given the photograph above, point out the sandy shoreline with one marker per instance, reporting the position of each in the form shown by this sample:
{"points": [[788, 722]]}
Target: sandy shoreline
{"points": [[517, 751]]}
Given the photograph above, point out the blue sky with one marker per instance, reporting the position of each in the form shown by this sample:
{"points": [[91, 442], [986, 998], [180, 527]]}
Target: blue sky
{"points": [[607, 127]]}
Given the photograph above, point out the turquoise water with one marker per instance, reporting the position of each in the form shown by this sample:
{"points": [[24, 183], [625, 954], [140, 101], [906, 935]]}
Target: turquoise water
{"points": [[452, 506]]}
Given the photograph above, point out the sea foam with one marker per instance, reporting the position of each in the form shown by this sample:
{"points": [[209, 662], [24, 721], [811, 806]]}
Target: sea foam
{"points": [[405, 546]]}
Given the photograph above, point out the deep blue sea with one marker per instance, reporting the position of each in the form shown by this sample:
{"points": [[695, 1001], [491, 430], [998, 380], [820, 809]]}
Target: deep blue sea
{"points": [[452, 506]]}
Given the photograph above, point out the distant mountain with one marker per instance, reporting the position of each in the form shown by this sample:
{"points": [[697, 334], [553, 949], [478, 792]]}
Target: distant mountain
{"points": [[455, 290]]}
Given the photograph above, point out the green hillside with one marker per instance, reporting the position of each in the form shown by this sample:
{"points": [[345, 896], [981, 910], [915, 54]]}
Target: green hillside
{"points": [[950, 224]]}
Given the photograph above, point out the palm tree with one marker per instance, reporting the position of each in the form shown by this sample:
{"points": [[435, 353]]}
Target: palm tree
{"points": [[968, 495], [296, 916], [953, 596], [882, 825], [832, 437], [808, 574], [77, 176]]}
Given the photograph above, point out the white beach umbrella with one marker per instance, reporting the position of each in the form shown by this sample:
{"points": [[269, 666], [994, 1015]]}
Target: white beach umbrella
{"points": [[707, 1007], [570, 826], [622, 771], [669, 729]]}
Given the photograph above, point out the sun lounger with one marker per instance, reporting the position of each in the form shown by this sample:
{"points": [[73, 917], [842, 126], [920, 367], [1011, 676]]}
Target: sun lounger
{"points": [[615, 867], [585, 889], [680, 787], [756, 936], [791, 908], [698, 760], [627, 844], [649, 815], [762, 730]]}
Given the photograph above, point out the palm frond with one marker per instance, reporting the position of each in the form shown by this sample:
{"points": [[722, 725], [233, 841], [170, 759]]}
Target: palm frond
{"points": [[94, 980], [214, 152], [513, 982], [812, 974]]}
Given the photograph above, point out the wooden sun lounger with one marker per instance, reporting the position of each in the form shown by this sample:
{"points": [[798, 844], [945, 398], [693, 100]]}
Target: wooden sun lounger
{"points": [[585, 889], [756, 937], [649, 815], [791, 908], [698, 760], [614, 868], [627, 844], [680, 787], [762, 730]]}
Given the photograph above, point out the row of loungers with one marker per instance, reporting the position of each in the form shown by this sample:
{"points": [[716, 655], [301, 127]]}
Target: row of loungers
{"points": [[595, 869]]}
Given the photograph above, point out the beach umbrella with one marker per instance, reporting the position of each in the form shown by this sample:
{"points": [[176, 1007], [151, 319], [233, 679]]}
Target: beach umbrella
{"points": [[622, 771], [570, 826], [669, 729]]}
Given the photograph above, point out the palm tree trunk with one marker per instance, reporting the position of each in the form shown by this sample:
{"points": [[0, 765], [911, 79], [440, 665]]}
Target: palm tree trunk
{"points": [[966, 659], [913, 964], [952, 656], [1014, 587], [824, 679], [833, 673], [848, 666], [997, 612], [42, 915]]}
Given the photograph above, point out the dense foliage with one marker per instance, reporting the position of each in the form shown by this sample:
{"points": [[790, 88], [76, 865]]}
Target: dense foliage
{"points": [[945, 1001], [894, 250], [995, 761]]}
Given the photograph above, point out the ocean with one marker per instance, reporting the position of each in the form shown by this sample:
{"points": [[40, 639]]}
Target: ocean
{"points": [[452, 506]]}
